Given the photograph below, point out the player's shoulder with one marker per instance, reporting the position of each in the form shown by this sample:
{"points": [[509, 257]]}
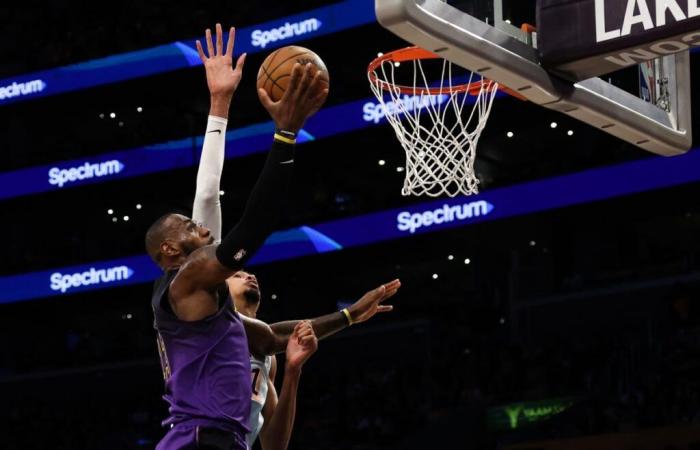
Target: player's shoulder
{"points": [[195, 263], [200, 256]]}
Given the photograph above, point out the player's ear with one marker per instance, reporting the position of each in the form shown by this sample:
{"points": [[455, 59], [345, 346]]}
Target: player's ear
{"points": [[169, 248]]}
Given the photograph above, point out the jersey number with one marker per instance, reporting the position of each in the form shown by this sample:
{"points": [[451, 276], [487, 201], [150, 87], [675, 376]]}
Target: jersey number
{"points": [[255, 387]]}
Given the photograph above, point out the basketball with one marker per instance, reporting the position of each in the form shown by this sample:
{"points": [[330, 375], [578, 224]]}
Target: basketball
{"points": [[276, 71]]}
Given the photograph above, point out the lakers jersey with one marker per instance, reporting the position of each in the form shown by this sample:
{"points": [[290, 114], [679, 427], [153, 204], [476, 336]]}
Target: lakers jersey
{"points": [[205, 363], [260, 374]]}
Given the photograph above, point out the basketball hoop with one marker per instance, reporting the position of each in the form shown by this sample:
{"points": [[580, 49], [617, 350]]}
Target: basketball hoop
{"points": [[439, 139]]}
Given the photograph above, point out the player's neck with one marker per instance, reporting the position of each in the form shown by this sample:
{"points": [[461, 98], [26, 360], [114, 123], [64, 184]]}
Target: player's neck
{"points": [[169, 264], [246, 308]]}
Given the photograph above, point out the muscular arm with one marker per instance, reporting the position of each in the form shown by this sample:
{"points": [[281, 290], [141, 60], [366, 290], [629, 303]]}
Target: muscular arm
{"points": [[324, 326], [279, 413], [264, 339], [271, 339]]}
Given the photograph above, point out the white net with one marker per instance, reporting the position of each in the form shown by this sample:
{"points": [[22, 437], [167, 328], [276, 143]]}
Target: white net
{"points": [[439, 139]]}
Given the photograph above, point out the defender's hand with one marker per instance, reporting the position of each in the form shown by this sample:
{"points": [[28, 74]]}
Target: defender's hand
{"points": [[301, 345], [303, 97], [222, 77], [370, 303]]}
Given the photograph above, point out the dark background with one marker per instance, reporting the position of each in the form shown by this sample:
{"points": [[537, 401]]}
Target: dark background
{"points": [[597, 302]]}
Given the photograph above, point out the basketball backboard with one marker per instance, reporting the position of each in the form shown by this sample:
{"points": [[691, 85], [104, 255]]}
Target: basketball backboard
{"points": [[479, 37]]}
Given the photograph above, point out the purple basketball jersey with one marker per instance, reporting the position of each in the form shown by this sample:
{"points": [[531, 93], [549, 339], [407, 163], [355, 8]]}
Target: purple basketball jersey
{"points": [[205, 364]]}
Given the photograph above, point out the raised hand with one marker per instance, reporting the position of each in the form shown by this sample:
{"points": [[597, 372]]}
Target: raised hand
{"points": [[370, 303], [222, 77], [303, 97], [301, 345]]}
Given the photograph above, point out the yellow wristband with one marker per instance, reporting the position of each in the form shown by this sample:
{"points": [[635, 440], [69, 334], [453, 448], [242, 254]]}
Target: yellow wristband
{"points": [[347, 315], [284, 139]]}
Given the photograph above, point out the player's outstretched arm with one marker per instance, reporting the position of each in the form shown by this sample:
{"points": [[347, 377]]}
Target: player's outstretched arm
{"points": [[222, 80], [266, 339], [279, 413], [207, 267]]}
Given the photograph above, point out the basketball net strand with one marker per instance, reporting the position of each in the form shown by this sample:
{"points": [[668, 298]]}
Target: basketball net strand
{"points": [[440, 150]]}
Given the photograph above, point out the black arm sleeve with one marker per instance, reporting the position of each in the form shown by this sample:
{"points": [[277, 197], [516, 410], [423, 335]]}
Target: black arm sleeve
{"points": [[262, 211]]}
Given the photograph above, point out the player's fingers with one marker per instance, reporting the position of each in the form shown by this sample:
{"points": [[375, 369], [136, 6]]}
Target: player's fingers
{"points": [[301, 84], [241, 62], [298, 327], [219, 39], [307, 340], [385, 308], [393, 284], [310, 342], [316, 83], [389, 294], [265, 99], [321, 98], [304, 332], [231, 40], [200, 51], [305, 82], [302, 336], [306, 329], [379, 292], [210, 45], [293, 81], [294, 337], [318, 102], [310, 95]]}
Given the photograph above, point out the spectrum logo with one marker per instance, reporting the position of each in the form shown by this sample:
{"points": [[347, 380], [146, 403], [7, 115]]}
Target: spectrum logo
{"points": [[61, 282], [18, 89], [260, 38], [374, 112], [412, 222], [59, 177]]}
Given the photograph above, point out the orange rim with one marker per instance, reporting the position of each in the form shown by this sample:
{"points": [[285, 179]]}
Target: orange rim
{"points": [[527, 28], [416, 53]]}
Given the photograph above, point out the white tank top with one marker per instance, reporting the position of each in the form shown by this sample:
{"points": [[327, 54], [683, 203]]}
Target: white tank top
{"points": [[260, 375]]}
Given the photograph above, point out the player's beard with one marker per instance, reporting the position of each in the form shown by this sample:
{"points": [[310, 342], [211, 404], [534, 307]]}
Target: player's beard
{"points": [[252, 296], [188, 247]]}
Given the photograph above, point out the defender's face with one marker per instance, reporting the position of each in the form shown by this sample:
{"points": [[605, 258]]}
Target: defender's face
{"points": [[243, 284]]}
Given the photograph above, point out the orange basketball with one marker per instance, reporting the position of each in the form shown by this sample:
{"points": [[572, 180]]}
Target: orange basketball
{"points": [[276, 71]]}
